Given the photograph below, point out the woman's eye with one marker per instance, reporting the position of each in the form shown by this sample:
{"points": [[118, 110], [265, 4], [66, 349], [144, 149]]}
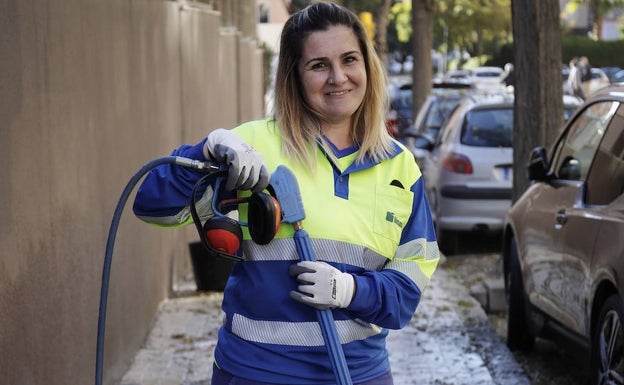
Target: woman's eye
{"points": [[318, 66]]}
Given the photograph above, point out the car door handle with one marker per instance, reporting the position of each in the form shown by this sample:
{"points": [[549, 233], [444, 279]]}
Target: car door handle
{"points": [[561, 218]]}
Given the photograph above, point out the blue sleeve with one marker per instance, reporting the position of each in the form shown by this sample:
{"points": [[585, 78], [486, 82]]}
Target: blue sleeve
{"points": [[166, 189], [386, 298]]}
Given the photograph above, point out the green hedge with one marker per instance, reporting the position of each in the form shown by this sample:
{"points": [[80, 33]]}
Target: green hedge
{"points": [[599, 53]]}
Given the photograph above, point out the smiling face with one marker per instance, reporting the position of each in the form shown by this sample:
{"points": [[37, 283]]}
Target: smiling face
{"points": [[333, 73]]}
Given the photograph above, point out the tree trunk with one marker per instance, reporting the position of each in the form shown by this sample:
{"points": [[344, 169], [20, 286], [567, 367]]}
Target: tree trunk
{"points": [[538, 91], [597, 27], [422, 43], [596, 12], [382, 30]]}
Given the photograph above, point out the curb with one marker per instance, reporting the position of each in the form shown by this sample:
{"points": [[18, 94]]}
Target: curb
{"points": [[490, 294]]}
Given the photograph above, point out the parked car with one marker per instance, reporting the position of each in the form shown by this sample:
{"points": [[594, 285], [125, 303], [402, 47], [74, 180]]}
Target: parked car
{"points": [[400, 117], [565, 74], [618, 77], [487, 77], [457, 76], [610, 71], [441, 101], [563, 249], [571, 104], [468, 172]]}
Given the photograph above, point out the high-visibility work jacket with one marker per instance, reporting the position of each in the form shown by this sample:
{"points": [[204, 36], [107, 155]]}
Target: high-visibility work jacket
{"points": [[370, 219]]}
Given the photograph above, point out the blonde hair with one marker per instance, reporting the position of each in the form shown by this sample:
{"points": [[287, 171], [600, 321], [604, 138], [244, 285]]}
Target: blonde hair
{"points": [[300, 126]]}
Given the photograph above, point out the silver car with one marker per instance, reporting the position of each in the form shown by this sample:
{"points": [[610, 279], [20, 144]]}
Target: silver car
{"points": [[468, 174]]}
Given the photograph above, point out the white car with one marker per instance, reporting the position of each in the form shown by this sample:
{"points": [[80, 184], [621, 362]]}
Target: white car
{"points": [[468, 173], [488, 78], [458, 76]]}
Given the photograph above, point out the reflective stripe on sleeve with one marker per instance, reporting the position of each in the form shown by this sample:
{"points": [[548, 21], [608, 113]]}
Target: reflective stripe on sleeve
{"points": [[183, 217], [299, 333], [417, 259], [420, 248]]}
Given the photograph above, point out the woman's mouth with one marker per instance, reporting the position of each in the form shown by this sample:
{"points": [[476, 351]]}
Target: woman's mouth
{"points": [[337, 93]]}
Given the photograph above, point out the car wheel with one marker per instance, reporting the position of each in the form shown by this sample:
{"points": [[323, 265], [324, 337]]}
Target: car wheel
{"points": [[519, 335], [448, 241], [607, 358], [432, 196]]}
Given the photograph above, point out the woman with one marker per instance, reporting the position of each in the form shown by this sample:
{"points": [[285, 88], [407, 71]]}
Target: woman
{"points": [[575, 83], [367, 215]]}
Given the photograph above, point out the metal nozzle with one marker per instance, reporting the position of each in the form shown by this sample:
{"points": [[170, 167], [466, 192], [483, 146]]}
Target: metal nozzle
{"points": [[197, 164]]}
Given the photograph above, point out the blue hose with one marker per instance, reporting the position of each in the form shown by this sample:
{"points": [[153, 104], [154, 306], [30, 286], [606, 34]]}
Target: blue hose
{"points": [[302, 243], [110, 244]]}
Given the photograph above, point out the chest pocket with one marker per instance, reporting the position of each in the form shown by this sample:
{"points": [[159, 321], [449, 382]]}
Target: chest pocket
{"points": [[393, 206]]}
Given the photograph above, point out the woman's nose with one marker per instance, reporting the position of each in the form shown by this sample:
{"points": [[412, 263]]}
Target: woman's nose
{"points": [[337, 76]]}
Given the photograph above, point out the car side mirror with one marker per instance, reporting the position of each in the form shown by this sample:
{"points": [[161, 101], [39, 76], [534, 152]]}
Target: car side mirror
{"points": [[417, 140], [424, 142], [538, 164]]}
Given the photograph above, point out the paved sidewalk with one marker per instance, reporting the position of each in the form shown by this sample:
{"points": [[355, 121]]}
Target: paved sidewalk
{"points": [[449, 341]]}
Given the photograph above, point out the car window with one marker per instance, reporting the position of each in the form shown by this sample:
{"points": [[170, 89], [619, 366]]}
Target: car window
{"points": [[487, 74], [403, 99], [439, 111], [606, 177], [575, 151], [446, 131], [488, 128]]}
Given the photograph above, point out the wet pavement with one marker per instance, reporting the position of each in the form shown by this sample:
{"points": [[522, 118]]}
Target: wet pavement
{"points": [[548, 363], [448, 341]]}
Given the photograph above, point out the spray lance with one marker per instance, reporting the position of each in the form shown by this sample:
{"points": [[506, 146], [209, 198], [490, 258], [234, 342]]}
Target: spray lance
{"points": [[286, 189]]}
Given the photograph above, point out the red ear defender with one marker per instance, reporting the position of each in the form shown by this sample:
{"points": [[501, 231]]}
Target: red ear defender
{"points": [[223, 234]]}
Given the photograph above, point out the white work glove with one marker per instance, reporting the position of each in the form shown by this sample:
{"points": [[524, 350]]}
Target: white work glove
{"points": [[321, 285], [247, 169]]}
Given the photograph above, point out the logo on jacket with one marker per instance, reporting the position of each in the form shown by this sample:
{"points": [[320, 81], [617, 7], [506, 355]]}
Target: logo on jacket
{"points": [[393, 219]]}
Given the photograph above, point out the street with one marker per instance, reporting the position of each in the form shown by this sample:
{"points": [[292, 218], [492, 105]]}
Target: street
{"points": [[548, 364]]}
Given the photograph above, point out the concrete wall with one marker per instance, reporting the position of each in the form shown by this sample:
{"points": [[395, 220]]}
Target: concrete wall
{"points": [[91, 91]]}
